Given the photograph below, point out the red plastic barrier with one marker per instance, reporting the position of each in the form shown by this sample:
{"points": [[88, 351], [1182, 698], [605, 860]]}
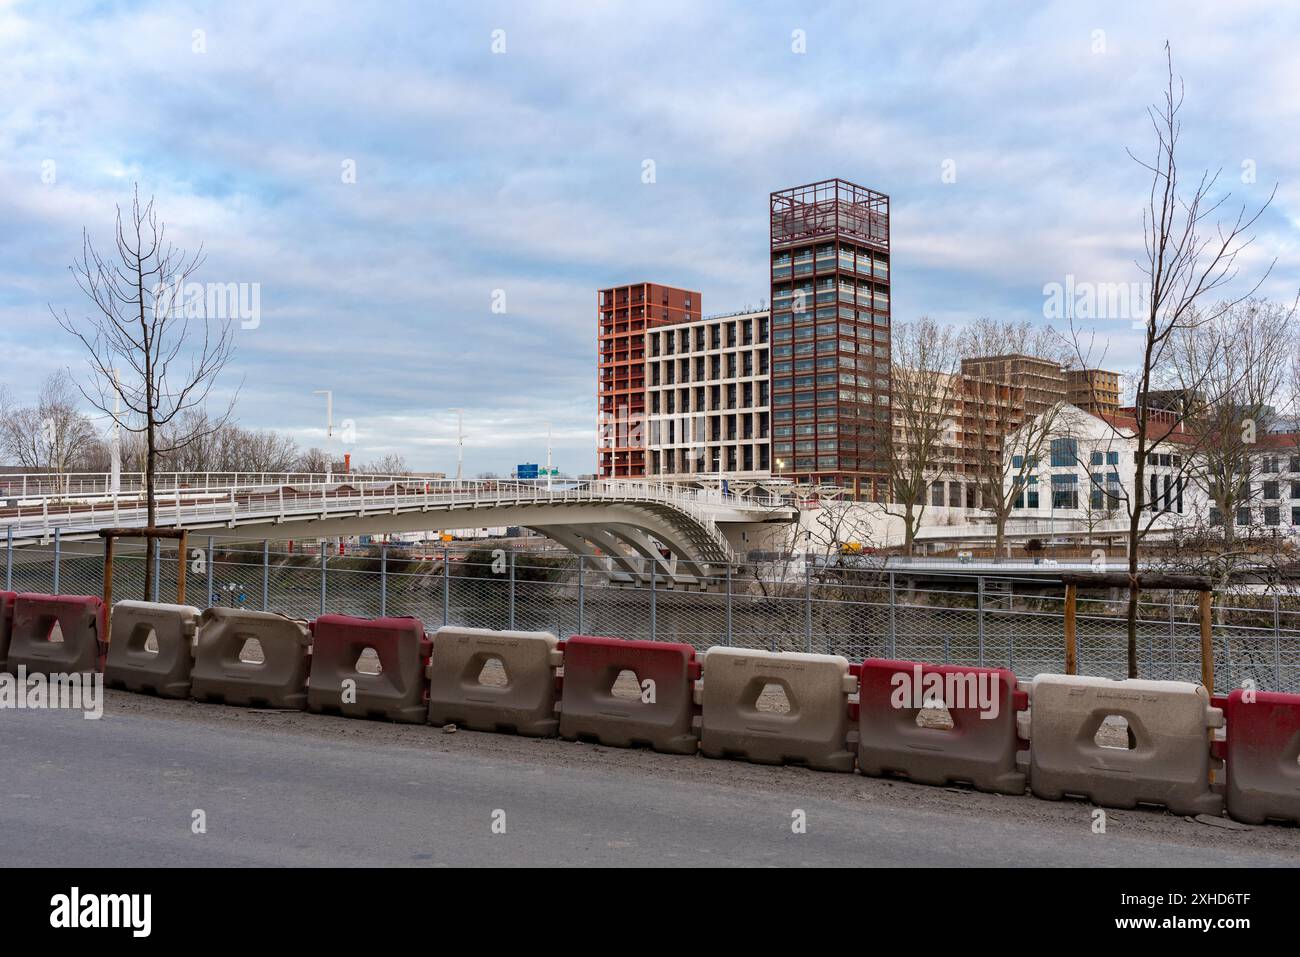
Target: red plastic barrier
{"points": [[397, 693], [81, 620], [7, 599], [978, 749], [1262, 756], [659, 715]]}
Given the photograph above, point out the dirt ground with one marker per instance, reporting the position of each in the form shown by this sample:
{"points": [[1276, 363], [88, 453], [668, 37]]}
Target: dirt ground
{"points": [[878, 794]]}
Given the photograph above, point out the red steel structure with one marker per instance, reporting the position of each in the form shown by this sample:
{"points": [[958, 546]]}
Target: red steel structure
{"points": [[830, 381], [624, 313]]}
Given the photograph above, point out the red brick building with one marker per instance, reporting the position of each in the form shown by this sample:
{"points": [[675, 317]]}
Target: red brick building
{"points": [[624, 313]]}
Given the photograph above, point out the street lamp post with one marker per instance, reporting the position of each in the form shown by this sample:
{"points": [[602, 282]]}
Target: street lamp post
{"points": [[329, 431], [460, 443]]}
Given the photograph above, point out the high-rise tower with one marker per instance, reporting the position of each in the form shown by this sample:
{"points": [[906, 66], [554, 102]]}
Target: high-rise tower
{"points": [[831, 386]]}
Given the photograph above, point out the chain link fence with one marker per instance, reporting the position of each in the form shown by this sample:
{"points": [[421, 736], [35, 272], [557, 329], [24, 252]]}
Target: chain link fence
{"points": [[858, 613]]}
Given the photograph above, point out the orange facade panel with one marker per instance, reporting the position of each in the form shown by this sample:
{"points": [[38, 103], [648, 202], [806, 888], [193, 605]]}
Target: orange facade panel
{"points": [[623, 314]]}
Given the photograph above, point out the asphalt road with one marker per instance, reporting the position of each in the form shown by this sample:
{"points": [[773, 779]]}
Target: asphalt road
{"points": [[123, 791]]}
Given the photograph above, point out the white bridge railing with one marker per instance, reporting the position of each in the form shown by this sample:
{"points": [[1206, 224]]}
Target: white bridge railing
{"points": [[41, 505]]}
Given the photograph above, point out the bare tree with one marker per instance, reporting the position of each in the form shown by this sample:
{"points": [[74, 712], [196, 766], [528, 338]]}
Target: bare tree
{"points": [[1188, 256], [314, 461], [52, 435], [391, 464], [1230, 372], [1007, 448], [151, 348], [925, 385], [993, 337]]}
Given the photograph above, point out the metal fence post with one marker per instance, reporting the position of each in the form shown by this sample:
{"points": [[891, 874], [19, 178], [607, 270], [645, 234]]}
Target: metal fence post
{"points": [[324, 570], [728, 604], [57, 553], [1277, 643], [157, 568], [807, 605], [891, 638], [446, 586], [581, 621], [653, 573], [979, 616], [212, 561], [511, 617], [9, 559], [1173, 639], [383, 579], [266, 575]]}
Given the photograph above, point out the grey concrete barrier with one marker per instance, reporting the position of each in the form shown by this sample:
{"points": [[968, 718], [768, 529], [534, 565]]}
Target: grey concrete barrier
{"points": [[811, 730], [165, 668], [222, 674], [1164, 756], [495, 680]]}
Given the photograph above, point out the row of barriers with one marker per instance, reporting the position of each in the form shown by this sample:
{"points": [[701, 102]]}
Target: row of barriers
{"points": [[1115, 743]]}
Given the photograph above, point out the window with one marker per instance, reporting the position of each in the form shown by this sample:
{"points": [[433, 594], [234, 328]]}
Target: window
{"points": [[1112, 458], [1064, 452], [1065, 491], [1272, 489], [1272, 515], [1243, 516]]}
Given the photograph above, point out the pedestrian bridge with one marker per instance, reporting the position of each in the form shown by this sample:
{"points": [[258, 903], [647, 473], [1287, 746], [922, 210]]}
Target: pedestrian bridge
{"points": [[627, 524]]}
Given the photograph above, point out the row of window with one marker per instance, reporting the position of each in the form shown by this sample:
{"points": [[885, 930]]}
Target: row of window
{"points": [[672, 341], [1271, 514], [827, 347], [825, 363], [828, 397]]}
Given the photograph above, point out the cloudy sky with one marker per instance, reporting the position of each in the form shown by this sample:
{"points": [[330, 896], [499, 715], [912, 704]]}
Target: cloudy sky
{"points": [[522, 171]]}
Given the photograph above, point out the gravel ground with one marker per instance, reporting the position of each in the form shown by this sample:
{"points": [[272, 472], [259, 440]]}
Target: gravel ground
{"points": [[882, 794]]}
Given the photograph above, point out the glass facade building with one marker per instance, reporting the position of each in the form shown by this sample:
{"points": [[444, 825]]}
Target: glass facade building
{"points": [[830, 337]]}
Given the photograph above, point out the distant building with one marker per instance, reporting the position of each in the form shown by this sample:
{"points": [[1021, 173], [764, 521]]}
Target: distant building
{"points": [[1093, 390], [830, 258], [1042, 381], [708, 398], [624, 314]]}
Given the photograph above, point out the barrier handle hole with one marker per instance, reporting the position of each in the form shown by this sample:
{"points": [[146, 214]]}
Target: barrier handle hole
{"points": [[626, 685], [493, 673], [1115, 734], [368, 663], [773, 700]]}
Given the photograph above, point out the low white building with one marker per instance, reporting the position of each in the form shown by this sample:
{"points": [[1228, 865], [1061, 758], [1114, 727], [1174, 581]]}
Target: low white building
{"points": [[1084, 476]]}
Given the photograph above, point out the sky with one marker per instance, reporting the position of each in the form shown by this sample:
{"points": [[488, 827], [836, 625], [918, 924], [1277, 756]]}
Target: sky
{"points": [[426, 197]]}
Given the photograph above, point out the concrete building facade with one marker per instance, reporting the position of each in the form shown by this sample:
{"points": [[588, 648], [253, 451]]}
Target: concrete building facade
{"points": [[707, 398]]}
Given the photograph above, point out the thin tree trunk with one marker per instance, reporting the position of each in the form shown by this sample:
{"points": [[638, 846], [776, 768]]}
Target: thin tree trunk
{"points": [[1134, 521]]}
